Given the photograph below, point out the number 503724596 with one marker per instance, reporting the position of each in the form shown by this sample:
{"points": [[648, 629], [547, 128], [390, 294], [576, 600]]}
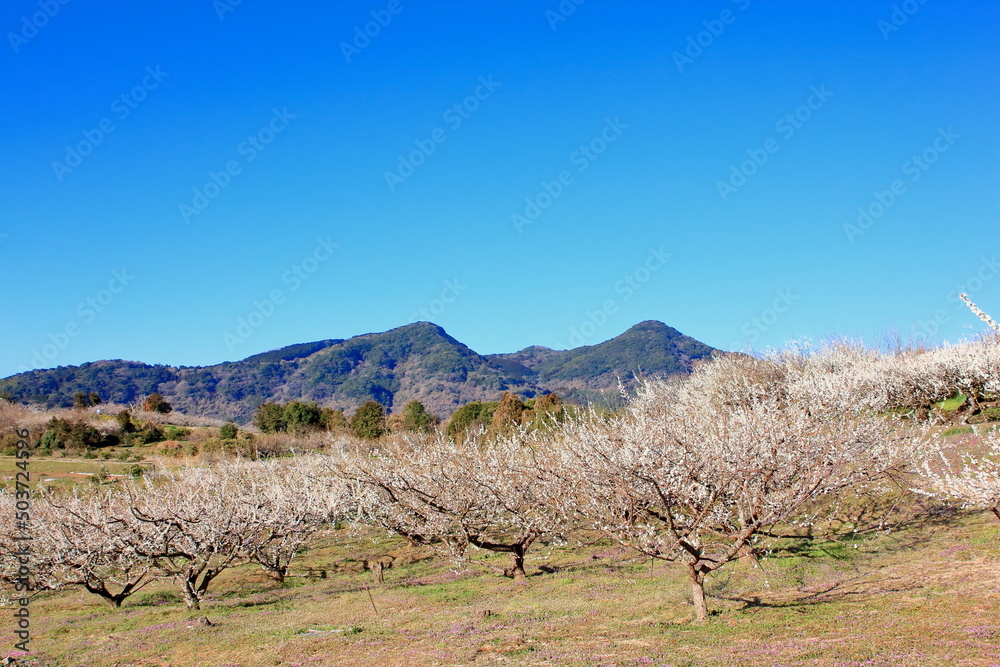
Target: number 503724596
{"points": [[23, 453]]}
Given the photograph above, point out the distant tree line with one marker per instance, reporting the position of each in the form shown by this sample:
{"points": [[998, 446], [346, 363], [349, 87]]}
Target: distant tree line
{"points": [[372, 420], [298, 417], [501, 417]]}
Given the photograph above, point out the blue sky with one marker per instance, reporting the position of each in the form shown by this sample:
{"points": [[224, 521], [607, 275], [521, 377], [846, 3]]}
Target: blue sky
{"points": [[198, 181]]}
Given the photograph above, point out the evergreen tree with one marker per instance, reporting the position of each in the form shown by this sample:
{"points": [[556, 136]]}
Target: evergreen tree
{"points": [[368, 421], [301, 417], [470, 416], [416, 418], [270, 418]]}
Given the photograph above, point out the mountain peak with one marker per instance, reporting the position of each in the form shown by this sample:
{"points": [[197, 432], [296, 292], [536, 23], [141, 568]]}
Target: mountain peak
{"points": [[654, 326], [417, 361], [422, 325], [422, 328]]}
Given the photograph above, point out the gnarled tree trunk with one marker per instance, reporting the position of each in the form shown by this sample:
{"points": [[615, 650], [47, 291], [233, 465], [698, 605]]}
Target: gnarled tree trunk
{"points": [[517, 563], [698, 597]]}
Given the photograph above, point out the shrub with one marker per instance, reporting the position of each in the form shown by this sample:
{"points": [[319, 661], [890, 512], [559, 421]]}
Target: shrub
{"points": [[301, 417], [507, 414], [155, 403], [134, 471], [270, 418], [124, 419], [416, 418], [470, 416], [243, 445], [548, 411], [147, 435], [66, 434], [333, 421], [228, 431], [176, 432], [368, 422], [8, 444]]}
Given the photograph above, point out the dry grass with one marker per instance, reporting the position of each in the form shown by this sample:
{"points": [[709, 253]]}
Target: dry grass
{"points": [[927, 595]]}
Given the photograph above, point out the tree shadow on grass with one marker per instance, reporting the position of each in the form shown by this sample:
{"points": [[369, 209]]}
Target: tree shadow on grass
{"points": [[872, 582]]}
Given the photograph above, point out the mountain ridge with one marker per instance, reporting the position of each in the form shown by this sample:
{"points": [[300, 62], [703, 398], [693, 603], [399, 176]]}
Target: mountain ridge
{"points": [[418, 361]]}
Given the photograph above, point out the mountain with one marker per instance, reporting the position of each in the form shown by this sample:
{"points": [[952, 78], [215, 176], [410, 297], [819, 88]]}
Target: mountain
{"points": [[584, 374], [416, 362]]}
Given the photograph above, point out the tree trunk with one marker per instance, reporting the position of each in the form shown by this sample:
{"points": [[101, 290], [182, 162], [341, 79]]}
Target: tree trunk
{"points": [[698, 596], [996, 511], [190, 594], [517, 564], [114, 599]]}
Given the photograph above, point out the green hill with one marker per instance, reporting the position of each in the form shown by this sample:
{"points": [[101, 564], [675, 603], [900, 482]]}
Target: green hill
{"points": [[416, 362], [585, 373]]}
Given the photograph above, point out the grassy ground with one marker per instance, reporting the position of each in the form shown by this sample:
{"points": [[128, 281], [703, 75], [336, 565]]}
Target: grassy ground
{"points": [[925, 596], [52, 472]]}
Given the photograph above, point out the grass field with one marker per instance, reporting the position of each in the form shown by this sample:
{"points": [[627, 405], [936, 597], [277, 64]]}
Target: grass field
{"points": [[927, 595], [61, 472]]}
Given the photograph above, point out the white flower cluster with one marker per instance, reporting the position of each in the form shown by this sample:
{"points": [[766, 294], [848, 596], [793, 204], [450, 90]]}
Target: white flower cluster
{"points": [[188, 527]]}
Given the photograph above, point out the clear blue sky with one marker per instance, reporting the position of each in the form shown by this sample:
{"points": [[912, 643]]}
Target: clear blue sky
{"points": [[310, 128]]}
